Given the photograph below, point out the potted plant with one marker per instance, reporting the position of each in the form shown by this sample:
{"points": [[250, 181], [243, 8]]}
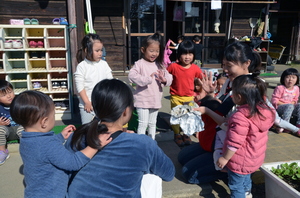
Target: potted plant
{"points": [[277, 174]]}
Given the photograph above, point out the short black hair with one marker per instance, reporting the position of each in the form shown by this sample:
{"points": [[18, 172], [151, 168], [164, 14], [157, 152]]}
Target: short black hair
{"points": [[287, 72], [186, 47], [4, 86]]}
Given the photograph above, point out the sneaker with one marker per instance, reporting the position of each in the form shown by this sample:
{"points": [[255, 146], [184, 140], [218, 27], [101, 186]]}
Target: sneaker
{"points": [[55, 85], [279, 130], [8, 44], [178, 140], [248, 195], [57, 105], [63, 84], [36, 85], [4, 155], [33, 55], [17, 44], [187, 140]]}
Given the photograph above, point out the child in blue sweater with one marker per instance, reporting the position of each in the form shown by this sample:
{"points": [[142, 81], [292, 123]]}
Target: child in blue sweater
{"points": [[46, 160]]}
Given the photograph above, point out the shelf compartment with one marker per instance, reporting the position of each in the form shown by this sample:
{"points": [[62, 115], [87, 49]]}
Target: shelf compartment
{"points": [[55, 33], [56, 44], [60, 80], [15, 65], [38, 77], [27, 44], [12, 33], [37, 65], [57, 66], [34, 33], [15, 55], [60, 97], [18, 81]]}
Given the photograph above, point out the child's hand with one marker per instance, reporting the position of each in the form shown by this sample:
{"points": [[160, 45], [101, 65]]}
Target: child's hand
{"points": [[160, 76], [67, 131], [4, 121], [88, 107], [200, 109], [207, 82], [221, 163], [104, 139]]}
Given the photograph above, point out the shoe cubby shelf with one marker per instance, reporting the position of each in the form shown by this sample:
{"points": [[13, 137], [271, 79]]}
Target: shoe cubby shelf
{"points": [[36, 57]]}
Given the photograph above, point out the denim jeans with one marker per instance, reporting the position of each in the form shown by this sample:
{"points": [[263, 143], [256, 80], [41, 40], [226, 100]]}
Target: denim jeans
{"points": [[198, 165], [239, 184]]}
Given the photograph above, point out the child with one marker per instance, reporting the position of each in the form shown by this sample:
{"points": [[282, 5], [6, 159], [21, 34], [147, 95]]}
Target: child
{"points": [[46, 160], [199, 93], [118, 170], [285, 96], [182, 89], [9, 130], [150, 76], [220, 80], [90, 70], [198, 50], [175, 46], [247, 134]]}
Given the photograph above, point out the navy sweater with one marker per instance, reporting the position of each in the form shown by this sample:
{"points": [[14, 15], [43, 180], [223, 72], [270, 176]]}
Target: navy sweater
{"points": [[46, 162]]}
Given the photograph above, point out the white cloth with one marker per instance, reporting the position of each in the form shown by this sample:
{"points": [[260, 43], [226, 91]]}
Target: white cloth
{"points": [[216, 4], [190, 121], [151, 186], [88, 74]]}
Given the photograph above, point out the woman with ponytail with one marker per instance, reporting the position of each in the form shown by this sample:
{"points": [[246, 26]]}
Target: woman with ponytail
{"points": [[117, 170]]}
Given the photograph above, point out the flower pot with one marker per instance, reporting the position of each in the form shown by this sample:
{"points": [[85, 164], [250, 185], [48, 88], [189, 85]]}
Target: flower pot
{"points": [[274, 186]]}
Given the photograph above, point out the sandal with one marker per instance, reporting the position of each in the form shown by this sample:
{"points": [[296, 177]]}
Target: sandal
{"points": [[56, 21], [178, 140], [26, 21], [40, 44], [34, 22], [32, 44]]}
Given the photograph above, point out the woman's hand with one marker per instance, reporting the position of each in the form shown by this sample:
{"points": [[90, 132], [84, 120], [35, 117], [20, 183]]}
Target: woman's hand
{"points": [[104, 139], [4, 121], [207, 82], [67, 131], [88, 107]]}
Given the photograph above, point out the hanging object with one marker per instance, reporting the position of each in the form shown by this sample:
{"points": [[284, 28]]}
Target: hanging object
{"points": [[252, 23], [89, 25]]}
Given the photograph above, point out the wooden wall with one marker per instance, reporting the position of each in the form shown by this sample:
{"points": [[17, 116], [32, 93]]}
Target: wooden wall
{"points": [[43, 10]]}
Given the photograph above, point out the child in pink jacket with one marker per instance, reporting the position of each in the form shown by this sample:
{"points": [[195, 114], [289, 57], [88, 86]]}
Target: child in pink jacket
{"points": [[246, 138]]}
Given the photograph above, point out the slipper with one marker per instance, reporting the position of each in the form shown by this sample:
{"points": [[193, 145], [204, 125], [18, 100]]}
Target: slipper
{"points": [[56, 21], [34, 22], [40, 44], [26, 21], [63, 21], [32, 44]]}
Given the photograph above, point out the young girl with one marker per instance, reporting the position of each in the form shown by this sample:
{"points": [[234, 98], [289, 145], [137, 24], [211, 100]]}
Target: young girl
{"points": [[182, 88], [220, 80], [285, 96], [150, 76], [118, 170], [90, 70], [247, 134], [46, 160]]}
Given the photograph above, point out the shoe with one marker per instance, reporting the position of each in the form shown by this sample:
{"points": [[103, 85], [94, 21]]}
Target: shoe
{"points": [[4, 155], [8, 44], [279, 130], [33, 55], [248, 195], [26, 21], [40, 44], [187, 140], [34, 22], [37, 85], [32, 44], [41, 54], [57, 105], [17, 44], [63, 21], [55, 85], [63, 84], [178, 140], [56, 21], [263, 49], [64, 106]]}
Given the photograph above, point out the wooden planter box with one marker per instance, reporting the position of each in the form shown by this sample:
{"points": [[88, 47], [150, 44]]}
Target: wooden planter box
{"points": [[274, 186]]}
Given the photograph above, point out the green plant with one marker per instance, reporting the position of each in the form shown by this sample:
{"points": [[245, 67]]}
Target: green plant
{"points": [[290, 173]]}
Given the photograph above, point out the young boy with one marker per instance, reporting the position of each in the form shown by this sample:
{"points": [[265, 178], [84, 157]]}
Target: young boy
{"points": [[198, 50], [9, 130]]}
